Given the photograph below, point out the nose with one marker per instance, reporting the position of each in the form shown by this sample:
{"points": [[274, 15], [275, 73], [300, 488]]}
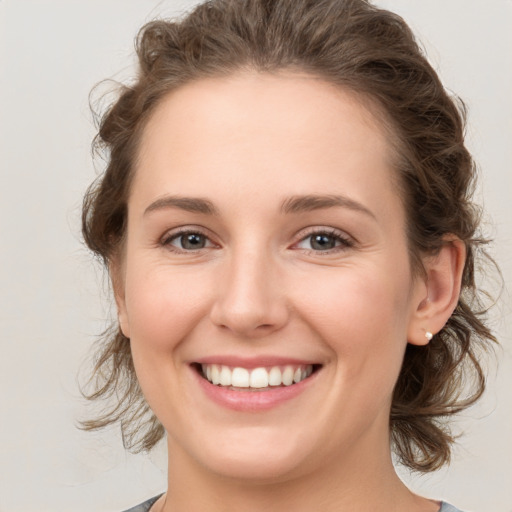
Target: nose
{"points": [[250, 301]]}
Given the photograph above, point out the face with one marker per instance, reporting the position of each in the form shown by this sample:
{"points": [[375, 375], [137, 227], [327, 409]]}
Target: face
{"points": [[266, 252]]}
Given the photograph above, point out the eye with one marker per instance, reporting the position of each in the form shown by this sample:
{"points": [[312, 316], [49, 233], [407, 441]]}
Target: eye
{"points": [[186, 241], [325, 241]]}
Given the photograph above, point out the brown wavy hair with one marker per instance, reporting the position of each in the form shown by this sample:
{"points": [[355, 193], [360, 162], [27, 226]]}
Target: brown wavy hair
{"points": [[373, 53]]}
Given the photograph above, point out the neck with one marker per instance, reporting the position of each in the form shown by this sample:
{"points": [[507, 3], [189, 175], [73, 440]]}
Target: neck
{"points": [[356, 482]]}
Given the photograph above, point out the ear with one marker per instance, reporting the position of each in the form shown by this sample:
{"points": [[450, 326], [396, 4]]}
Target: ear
{"points": [[436, 294], [116, 272]]}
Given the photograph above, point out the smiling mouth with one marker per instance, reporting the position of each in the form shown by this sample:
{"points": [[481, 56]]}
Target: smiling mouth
{"points": [[255, 379]]}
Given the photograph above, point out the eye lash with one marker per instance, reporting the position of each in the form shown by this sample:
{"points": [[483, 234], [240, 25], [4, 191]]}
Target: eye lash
{"points": [[165, 241], [346, 241], [168, 237]]}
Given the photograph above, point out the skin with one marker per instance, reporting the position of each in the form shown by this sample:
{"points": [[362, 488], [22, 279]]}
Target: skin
{"points": [[258, 286]]}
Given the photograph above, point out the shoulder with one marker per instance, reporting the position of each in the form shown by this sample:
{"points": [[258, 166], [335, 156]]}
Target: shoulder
{"points": [[144, 507], [446, 507]]}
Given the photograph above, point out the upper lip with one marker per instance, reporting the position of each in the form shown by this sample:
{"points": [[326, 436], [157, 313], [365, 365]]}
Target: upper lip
{"points": [[254, 362]]}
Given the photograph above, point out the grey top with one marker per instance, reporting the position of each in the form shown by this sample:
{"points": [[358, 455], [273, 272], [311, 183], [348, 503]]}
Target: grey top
{"points": [[446, 507], [144, 507]]}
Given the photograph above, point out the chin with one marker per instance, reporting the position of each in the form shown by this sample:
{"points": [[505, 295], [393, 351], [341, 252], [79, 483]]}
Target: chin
{"points": [[258, 469], [258, 456]]}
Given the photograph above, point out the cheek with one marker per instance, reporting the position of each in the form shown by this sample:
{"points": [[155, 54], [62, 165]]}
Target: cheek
{"points": [[164, 304], [362, 314], [163, 308]]}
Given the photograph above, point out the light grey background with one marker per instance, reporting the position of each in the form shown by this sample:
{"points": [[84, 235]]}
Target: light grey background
{"points": [[53, 300]]}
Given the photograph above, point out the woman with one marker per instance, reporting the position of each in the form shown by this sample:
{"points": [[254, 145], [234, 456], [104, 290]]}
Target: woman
{"points": [[286, 217]]}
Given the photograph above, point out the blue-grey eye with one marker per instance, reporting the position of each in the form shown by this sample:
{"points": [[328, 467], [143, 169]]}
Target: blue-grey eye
{"points": [[323, 241], [192, 241]]}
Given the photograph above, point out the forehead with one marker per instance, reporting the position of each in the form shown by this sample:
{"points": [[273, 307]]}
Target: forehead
{"points": [[296, 131], [256, 101]]}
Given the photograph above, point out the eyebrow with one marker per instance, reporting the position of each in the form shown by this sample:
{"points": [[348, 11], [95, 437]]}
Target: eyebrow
{"points": [[294, 204], [189, 204], [307, 203]]}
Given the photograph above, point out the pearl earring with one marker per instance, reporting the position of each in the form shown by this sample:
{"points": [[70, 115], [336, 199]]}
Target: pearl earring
{"points": [[428, 335]]}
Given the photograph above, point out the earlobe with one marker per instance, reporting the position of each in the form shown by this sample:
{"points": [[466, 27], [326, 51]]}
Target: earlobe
{"points": [[116, 273], [439, 291], [123, 320]]}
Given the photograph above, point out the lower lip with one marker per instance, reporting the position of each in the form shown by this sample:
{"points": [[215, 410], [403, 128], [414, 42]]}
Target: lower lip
{"points": [[253, 401]]}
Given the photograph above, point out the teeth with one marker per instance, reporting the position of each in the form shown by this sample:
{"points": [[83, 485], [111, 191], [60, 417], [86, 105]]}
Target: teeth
{"points": [[288, 376], [225, 376], [257, 378], [274, 377], [215, 375], [240, 377]]}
